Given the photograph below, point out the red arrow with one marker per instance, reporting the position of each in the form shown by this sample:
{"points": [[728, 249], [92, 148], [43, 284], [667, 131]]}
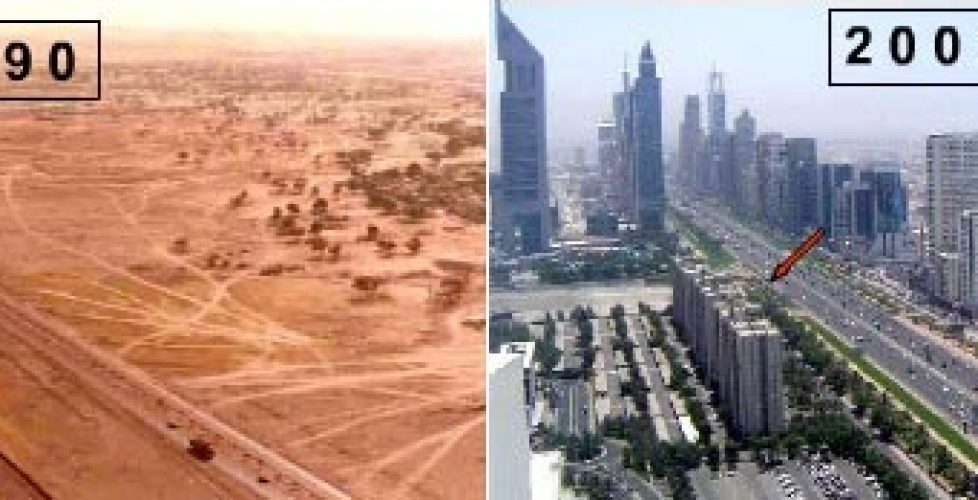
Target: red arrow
{"points": [[784, 267]]}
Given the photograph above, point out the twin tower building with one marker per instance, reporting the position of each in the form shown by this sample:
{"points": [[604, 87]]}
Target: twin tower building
{"points": [[523, 221]]}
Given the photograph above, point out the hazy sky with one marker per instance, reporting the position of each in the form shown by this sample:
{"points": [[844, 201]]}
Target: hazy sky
{"points": [[383, 18], [774, 59]]}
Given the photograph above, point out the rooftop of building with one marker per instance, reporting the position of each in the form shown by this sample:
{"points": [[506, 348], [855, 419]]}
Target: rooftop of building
{"points": [[496, 361], [524, 349]]}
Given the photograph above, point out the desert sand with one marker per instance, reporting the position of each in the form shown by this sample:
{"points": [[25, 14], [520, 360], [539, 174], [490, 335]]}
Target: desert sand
{"points": [[290, 240]]}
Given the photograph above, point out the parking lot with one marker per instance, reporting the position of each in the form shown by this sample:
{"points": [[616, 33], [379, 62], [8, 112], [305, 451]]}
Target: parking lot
{"points": [[813, 479]]}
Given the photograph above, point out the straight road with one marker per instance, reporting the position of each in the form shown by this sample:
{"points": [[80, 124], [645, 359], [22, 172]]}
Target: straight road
{"points": [[242, 468], [15, 482], [926, 368]]}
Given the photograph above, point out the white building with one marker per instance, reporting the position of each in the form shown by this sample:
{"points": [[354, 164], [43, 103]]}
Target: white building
{"points": [[507, 435], [525, 351], [968, 258], [952, 186]]}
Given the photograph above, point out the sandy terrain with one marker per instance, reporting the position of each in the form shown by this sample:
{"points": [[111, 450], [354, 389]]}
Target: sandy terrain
{"points": [[292, 242]]}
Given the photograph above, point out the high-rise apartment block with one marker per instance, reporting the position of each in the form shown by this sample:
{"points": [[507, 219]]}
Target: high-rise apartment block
{"points": [[738, 352], [968, 259], [952, 187], [952, 190]]}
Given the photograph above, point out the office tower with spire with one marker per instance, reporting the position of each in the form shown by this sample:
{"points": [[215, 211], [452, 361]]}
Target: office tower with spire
{"points": [[647, 172], [525, 225], [716, 139]]}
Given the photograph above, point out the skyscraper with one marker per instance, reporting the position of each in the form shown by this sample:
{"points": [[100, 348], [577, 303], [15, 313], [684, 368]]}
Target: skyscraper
{"points": [[648, 181], [744, 160], [622, 178], [952, 186], [716, 141], [607, 161], [525, 192], [968, 238], [831, 177], [772, 177], [890, 206], [802, 175], [691, 144]]}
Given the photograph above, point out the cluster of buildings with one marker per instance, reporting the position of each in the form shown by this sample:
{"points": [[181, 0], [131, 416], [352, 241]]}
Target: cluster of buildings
{"points": [[737, 350], [778, 180], [523, 220], [630, 151], [950, 256]]}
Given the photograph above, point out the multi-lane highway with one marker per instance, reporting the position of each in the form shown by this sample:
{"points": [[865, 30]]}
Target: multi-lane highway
{"points": [[945, 379]]}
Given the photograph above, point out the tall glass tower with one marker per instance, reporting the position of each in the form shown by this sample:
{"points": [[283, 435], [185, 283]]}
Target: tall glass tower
{"points": [[525, 224], [716, 103], [648, 185]]}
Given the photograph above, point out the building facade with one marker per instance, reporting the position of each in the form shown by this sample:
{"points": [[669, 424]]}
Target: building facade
{"points": [[831, 177], [737, 351], [773, 186], [952, 186], [802, 165], [648, 175], [744, 159], [524, 204], [689, 163], [716, 133], [968, 259], [507, 435]]}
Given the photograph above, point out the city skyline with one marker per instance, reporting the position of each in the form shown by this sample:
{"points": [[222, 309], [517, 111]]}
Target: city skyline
{"points": [[783, 84]]}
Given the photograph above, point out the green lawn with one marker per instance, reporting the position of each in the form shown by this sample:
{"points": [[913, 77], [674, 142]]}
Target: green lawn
{"points": [[946, 431]]}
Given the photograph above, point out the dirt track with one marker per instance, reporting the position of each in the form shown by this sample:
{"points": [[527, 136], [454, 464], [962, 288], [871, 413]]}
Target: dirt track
{"points": [[15, 482], [122, 221], [146, 407]]}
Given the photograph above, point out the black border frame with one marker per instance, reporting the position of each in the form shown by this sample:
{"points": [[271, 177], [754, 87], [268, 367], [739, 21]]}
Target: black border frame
{"points": [[891, 84], [98, 60]]}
